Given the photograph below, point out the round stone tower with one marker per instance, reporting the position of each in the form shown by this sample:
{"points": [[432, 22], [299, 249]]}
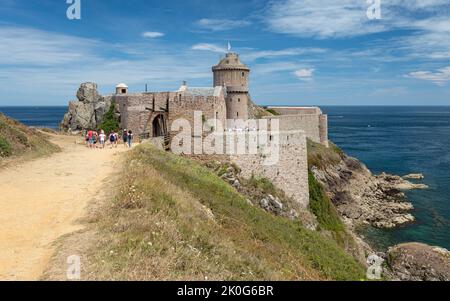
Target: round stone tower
{"points": [[233, 74]]}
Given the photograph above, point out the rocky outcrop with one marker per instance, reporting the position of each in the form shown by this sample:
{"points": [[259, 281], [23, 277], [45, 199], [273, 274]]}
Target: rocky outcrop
{"points": [[414, 176], [363, 198], [88, 111], [418, 262], [402, 183], [274, 202]]}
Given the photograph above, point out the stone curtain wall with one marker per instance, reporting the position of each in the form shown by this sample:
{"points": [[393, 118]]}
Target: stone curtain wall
{"points": [[212, 107], [290, 174], [310, 124], [136, 109], [309, 119], [296, 110]]}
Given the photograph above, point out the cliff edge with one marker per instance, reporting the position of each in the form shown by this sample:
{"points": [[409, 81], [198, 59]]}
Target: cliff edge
{"points": [[360, 197]]}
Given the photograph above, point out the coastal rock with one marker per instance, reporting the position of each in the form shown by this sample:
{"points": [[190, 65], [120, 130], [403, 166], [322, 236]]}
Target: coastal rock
{"points": [[414, 176], [418, 262], [88, 111], [362, 198], [400, 183]]}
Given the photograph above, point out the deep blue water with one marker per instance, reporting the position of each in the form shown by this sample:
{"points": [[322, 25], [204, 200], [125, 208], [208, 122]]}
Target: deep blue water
{"points": [[49, 117], [398, 140], [403, 140]]}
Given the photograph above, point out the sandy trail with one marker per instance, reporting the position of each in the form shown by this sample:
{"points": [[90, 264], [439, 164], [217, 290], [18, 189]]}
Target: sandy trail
{"points": [[41, 200]]}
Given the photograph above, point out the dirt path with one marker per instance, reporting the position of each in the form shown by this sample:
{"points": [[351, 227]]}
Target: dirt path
{"points": [[41, 200]]}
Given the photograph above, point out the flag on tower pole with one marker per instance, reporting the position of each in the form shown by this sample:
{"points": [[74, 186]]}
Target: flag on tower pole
{"points": [[229, 46]]}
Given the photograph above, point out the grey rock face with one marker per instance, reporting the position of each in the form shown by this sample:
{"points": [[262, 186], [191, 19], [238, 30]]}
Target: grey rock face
{"points": [[88, 93], [418, 262], [88, 111], [264, 203], [362, 198]]}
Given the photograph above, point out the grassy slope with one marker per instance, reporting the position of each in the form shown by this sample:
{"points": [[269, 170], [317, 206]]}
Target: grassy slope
{"points": [[17, 139], [321, 156], [320, 204], [174, 219]]}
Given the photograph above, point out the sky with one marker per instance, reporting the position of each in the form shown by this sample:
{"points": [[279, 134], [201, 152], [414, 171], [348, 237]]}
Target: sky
{"points": [[301, 52]]}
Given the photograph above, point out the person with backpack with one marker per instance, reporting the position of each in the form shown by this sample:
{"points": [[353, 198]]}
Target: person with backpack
{"points": [[112, 139], [130, 139], [125, 137]]}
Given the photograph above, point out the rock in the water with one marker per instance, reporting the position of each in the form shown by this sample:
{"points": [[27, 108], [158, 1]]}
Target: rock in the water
{"points": [[86, 113], [400, 183], [419, 262], [414, 176]]}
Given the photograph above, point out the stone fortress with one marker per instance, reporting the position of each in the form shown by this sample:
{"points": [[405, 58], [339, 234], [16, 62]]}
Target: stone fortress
{"points": [[151, 115]]}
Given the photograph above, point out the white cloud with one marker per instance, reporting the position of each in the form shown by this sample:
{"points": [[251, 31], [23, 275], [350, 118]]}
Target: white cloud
{"points": [[254, 55], [222, 24], [28, 46], [440, 77], [209, 47], [275, 67], [321, 18], [31, 59], [304, 74], [347, 18], [152, 34]]}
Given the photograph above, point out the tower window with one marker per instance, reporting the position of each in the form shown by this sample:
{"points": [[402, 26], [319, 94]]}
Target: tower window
{"points": [[237, 114], [243, 74], [124, 91], [239, 100]]}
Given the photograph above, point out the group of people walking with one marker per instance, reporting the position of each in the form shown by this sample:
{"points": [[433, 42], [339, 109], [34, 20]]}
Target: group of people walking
{"points": [[95, 139]]}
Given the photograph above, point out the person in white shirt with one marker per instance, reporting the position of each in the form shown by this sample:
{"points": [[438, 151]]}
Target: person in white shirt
{"points": [[102, 138]]}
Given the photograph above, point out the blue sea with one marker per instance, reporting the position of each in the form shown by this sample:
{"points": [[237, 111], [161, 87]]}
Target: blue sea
{"points": [[49, 117], [398, 140], [403, 140]]}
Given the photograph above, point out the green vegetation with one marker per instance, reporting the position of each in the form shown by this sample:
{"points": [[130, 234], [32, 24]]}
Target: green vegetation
{"points": [[321, 156], [110, 121], [17, 139], [322, 207], [266, 186], [320, 204], [5, 148], [175, 219], [273, 112]]}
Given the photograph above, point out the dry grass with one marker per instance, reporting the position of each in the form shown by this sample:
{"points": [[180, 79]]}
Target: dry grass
{"points": [[20, 141]]}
